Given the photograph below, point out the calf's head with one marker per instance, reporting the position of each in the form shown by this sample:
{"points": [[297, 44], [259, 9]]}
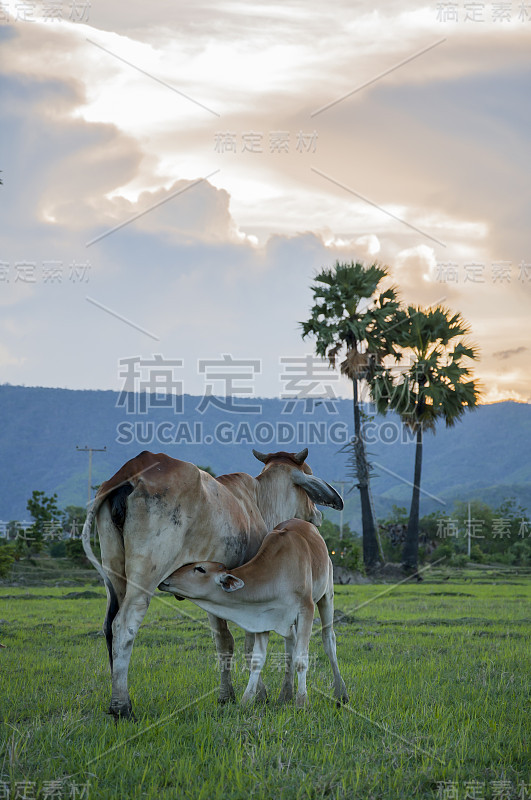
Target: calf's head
{"points": [[201, 581]]}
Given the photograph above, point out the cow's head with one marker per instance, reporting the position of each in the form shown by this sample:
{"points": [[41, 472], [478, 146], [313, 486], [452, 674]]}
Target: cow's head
{"points": [[287, 489]]}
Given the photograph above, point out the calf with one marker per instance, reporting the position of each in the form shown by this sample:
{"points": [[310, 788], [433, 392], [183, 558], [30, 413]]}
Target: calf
{"points": [[274, 591]]}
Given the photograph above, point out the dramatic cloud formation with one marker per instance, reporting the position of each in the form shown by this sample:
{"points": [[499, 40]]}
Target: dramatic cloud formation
{"points": [[189, 169]]}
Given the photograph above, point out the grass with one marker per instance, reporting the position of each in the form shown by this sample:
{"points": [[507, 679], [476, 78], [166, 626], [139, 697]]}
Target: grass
{"points": [[437, 674]]}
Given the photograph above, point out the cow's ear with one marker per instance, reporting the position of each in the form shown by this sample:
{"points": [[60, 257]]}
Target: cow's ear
{"points": [[318, 490], [228, 582]]}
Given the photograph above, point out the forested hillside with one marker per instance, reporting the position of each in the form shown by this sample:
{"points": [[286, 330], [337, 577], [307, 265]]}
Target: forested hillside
{"points": [[486, 456]]}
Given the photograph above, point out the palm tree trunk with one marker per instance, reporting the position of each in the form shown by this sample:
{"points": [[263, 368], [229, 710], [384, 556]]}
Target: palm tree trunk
{"points": [[411, 545], [370, 542]]}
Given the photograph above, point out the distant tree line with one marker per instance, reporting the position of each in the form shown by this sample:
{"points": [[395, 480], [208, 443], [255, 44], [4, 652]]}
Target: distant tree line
{"points": [[47, 534], [481, 534], [499, 535], [53, 532]]}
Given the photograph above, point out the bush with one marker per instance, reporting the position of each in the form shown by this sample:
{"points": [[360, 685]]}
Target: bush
{"points": [[352, 556], [74, 551], [519, 553], [26, 548], [442, 551], [459, 560], [345, 552], [476, 554], [57, 549], [7, 559]]}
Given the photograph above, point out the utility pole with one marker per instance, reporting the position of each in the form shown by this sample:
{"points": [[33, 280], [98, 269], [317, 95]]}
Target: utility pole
{"points": [[469, 526], [90, 450], [342, 484]]}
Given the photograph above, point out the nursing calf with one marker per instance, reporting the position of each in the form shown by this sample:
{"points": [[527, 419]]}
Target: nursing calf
{"points": [[275, 591]]}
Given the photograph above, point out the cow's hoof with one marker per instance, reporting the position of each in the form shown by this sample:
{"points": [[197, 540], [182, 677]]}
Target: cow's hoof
{"points": [[261, 696], [228, 698], [341, 697], [301, 701], [285, 696], [122, 712]]}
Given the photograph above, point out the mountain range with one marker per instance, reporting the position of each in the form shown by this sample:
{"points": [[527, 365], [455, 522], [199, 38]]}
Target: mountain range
{"points": [[486, 456]]}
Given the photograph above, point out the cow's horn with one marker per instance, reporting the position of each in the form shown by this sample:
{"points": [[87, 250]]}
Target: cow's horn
{"points": [[301, 457], [260, 456]]}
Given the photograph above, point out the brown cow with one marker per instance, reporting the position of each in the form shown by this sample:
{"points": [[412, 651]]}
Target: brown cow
{"points": [[157, 514], [276, 591]]}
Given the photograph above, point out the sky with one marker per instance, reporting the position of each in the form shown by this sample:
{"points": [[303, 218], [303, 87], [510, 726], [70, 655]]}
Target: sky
{"points": [[175, 176]]}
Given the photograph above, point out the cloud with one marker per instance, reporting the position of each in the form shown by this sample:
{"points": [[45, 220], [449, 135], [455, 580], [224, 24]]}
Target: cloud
{"points": [[7, 359], [187, 210], [504, 354], [415, 271], [225, 265]]}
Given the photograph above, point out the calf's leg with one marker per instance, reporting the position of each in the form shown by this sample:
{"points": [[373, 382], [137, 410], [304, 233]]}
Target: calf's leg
{"points": [[304, 631], [326, 612], [257, 663], [261, 691], [286, 692]]}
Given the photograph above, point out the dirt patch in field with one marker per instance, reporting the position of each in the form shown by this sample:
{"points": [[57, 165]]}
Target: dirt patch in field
{"points": [[28, 597], [345, 577], [70, 596]]}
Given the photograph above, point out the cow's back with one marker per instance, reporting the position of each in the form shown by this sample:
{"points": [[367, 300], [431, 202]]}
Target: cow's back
{"points": [[161, 501], [293, 558]]}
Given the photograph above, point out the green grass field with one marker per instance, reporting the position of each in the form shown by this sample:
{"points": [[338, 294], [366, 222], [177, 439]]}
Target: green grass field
{"points": [[437, 674]]}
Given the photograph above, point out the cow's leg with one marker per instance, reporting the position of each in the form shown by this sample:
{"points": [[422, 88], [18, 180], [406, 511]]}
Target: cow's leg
{"points": [[115, 600], [326, 612], [304, 631], [125, 628], [286, 692], [113, 560], [225, 648], [257, 663], [261, 691], [113, 606]]}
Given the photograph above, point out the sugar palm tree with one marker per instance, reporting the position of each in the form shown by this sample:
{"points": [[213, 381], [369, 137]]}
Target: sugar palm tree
{"points": [[350, 314], [436, 385]]}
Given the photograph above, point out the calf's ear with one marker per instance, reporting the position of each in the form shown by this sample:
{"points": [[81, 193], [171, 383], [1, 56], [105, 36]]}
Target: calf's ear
{"points": [[228, 582], [317, 490]]}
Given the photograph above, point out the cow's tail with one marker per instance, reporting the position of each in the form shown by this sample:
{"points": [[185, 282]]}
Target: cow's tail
{"points": [[87, 547], [113, 604]]}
